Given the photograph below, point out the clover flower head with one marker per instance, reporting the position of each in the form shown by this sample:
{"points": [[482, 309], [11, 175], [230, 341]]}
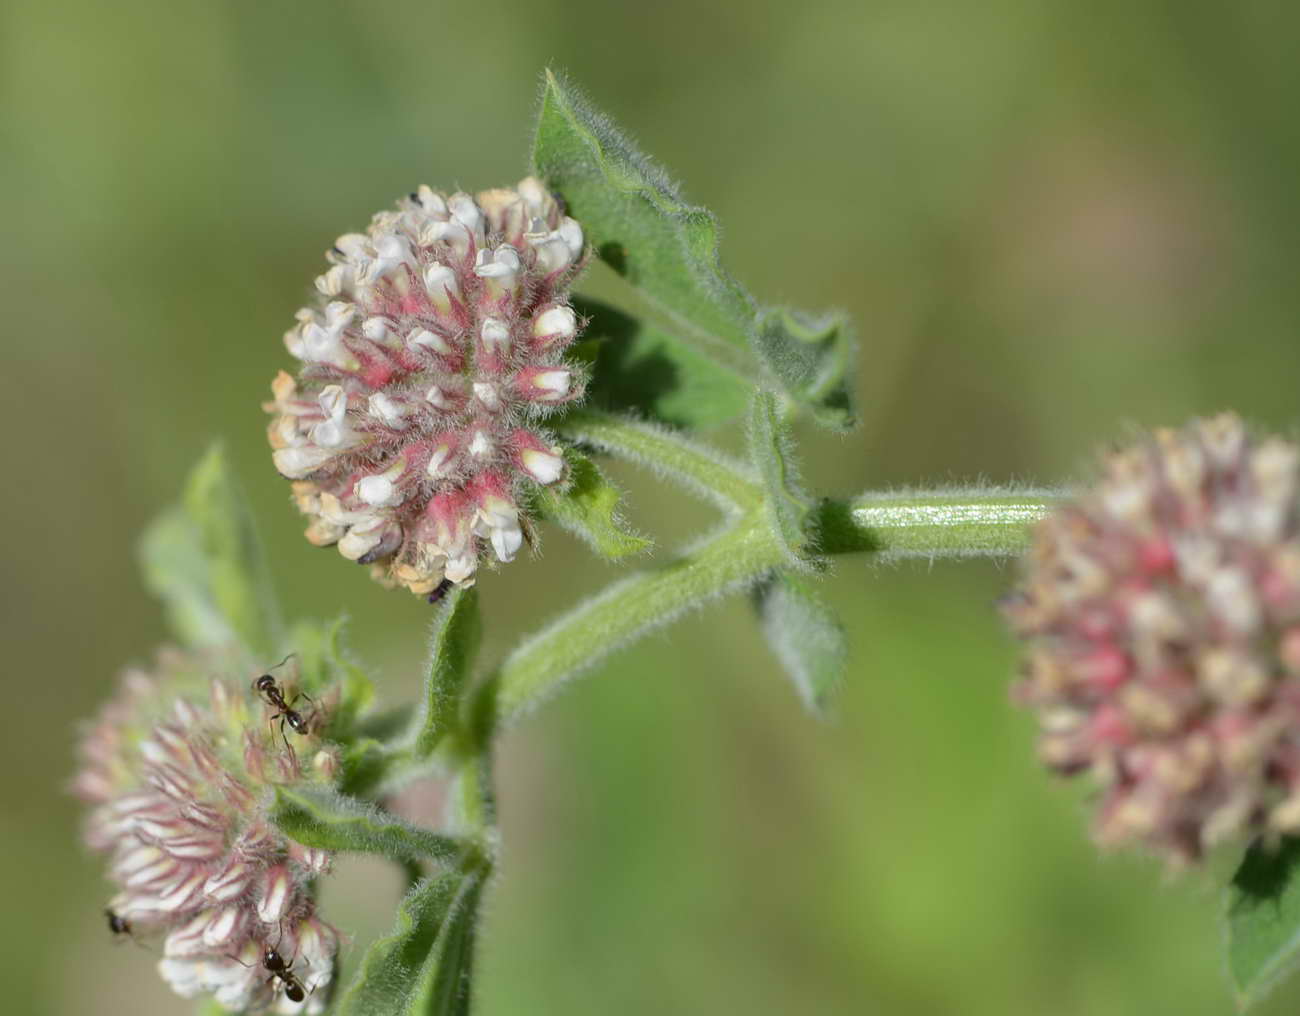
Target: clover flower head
{"points": [[1162, 614], [435, 351], [178, 769]]}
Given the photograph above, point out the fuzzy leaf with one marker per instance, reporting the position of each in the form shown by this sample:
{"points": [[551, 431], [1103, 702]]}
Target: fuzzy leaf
{"points": [[805, 636], [423, 968], [770, 446], [321, 662], [811, 354], [203, 558], [636, 366], [587, 507], [453, 644], [331, 821], [640, 225], [1264, 918], [367, 761]]}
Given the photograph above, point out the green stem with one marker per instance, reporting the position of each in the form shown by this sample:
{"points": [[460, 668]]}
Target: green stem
{"points": [[698, 468], [729, 560], [946, 523], [973, 522]]}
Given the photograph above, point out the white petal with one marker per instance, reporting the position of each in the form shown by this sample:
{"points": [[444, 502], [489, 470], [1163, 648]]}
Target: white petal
{"points": [[440, 281], [558, 321], [480, 444], [487, 394], [429, 340], [386, 410], [571, 233], [544, 467], [554, 383], [379, 491], [438, 461], [466, 212], [496, 335], [506, 541]]}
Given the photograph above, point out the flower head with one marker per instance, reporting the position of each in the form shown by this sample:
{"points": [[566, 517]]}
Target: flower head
{"points": [[436, 348], [178, 769], [1162, 614]]}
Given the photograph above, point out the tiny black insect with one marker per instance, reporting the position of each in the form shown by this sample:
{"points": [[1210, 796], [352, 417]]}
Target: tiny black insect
{"points": [[440, 590], [117, 924], [282, 972], [274, 962], [270, 691]]}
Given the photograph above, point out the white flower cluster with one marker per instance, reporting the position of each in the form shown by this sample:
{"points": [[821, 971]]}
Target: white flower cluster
{"points": [[176, 774], [437, 349]]}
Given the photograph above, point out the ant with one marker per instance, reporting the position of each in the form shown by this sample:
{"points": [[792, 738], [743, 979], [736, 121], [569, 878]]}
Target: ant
{"points": [[122, 929], [274, 962], [271, 694], [281, 971], [441, 590]]}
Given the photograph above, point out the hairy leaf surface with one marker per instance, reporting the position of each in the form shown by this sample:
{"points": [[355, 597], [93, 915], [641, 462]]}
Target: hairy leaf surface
{"points": [[1264, 918], [454, 639], [667, 249], [423, 967], [204, 560], [331, 821], [805, 635], [587, 506]]}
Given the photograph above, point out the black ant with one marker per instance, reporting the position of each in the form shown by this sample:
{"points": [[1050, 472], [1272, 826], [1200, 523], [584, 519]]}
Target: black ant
{"points": [[122, 929], [274, 962], [441, 590], [281, 971], [272, 696]]}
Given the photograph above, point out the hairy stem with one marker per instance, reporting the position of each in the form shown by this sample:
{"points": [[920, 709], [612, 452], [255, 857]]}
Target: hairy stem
{"points": [[973, 522], [946, 523], [730, 560], [731, 485]]}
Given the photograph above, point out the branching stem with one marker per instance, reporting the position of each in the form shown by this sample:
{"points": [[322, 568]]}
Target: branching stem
{"points": [[932, 524]]}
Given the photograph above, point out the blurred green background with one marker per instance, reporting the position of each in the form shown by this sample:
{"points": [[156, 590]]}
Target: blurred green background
{"points": [[1050, 221]]}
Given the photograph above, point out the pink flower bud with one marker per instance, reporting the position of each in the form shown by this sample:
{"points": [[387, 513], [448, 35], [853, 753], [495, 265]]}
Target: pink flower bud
{"points": [[1164, 655], [437, 340]]}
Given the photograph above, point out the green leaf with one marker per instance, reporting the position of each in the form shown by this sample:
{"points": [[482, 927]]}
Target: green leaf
{"points": [[587, 507], [812, 354], [203, 558], [332, 821], [770, 446], [367, 761], [323, 662], [637, 366], [1264, 918], [805, 636], [640, 225], [424, 966], [453, 645]]}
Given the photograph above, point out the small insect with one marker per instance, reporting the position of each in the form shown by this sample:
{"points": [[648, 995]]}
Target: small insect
{"points": [[274, 962], [440, 590], [282, 972], [267, 687], [117, 924]]}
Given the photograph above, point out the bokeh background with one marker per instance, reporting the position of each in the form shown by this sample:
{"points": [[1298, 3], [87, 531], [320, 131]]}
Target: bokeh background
{"points": [[1050, 221]]}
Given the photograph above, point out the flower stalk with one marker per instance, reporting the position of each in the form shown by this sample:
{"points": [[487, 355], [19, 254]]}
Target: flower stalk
{"points": [[974, 522]]}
